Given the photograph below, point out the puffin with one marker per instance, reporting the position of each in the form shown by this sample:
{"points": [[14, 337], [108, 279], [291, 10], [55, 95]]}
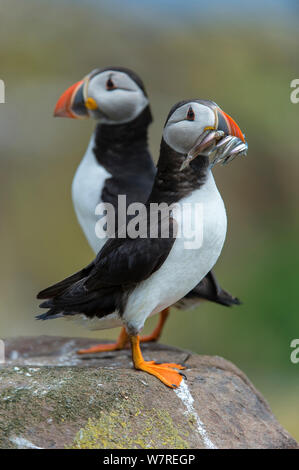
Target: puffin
{"points": [[118, 162], [133, 278]]}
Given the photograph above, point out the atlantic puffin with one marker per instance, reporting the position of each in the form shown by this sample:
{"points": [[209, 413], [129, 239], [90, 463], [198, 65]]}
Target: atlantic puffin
{"points": [[117, 162], [133, 278]]}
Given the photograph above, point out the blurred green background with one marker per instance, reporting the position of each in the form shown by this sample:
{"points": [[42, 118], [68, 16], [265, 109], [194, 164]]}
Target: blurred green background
{"points": [[244, 58]]}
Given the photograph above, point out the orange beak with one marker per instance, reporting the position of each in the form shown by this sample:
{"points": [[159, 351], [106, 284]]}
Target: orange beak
{"points": [[71, 103], [232, 127]]}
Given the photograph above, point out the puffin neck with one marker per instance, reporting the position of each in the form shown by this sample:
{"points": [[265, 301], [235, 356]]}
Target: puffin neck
{"points": [[113, 137], [171, 184]]}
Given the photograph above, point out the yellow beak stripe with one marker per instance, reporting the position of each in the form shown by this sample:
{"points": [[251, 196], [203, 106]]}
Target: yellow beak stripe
{"points": [[90, 103]]}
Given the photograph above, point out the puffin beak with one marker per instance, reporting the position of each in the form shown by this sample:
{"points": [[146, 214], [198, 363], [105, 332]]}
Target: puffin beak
{"points": [[71, 103], [228, 125], [226, 131]]}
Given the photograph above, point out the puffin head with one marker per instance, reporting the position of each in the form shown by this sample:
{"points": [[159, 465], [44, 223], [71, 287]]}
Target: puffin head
{"points": [[113, 95], [200, 127]]}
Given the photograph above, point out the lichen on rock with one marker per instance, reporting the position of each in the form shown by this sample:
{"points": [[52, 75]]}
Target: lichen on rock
{"points": [[121, 430]]}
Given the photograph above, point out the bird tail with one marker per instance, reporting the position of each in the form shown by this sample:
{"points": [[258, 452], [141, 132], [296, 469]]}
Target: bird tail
{"points": [[209, 289], [71, 297], [60, 287], [49, 315], [225, 298]]}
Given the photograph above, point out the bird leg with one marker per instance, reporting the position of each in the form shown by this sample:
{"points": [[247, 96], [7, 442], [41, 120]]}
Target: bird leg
{"points": [[121, 343], [123, 338], [164, 372], [155, 335]]}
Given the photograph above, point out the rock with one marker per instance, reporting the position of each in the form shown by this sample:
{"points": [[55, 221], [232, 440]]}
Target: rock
{"points": [[52, 398]]}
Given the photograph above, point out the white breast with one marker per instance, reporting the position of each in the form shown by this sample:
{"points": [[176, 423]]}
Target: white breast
{"points": [[183, 268], [87, 187]]}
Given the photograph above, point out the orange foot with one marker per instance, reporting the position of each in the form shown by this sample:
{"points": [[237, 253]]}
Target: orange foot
{"points": [[121, 343], [164, 372], [170, 364]]}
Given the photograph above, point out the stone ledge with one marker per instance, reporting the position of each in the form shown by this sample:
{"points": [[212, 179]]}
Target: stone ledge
{"points": [[52, 398]]}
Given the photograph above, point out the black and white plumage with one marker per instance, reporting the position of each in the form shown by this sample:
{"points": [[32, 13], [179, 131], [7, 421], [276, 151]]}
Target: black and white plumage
{"points": [[117, 160], [133, 278]]}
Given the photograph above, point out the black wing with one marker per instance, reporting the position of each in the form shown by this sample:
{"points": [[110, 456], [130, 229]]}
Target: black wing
{"points": [[61, 286], [98, 288], [127, 261]]}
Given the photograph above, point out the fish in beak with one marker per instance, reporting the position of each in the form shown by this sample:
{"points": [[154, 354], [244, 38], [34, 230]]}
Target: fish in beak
{"points": [[224, 141]]}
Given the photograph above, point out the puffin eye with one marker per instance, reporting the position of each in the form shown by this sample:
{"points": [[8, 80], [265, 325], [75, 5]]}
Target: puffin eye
{"points": [[110, 84], [190, 114]]}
